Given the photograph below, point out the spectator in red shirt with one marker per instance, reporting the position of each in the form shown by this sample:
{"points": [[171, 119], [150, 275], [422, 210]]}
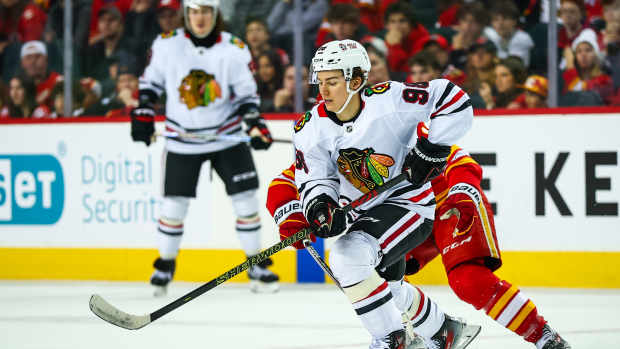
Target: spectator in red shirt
{"points": [[572, 13], [257, 37], [34, 64], [585, 70], [21, 20], [403, 33]]}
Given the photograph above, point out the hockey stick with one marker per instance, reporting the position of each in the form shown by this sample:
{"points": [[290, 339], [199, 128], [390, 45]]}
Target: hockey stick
{"points": [[212, 137], [115, 316], [319, 260]]}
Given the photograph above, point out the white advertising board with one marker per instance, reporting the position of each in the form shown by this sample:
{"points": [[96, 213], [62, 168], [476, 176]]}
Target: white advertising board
{"points": [[555, 180]]}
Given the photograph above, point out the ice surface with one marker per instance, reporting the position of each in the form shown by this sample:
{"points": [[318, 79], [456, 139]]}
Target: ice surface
{"points": [[55, 315]]}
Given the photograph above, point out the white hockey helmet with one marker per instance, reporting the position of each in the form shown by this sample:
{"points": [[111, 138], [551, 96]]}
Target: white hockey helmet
{"points": [[195, 4], [344, 55]]}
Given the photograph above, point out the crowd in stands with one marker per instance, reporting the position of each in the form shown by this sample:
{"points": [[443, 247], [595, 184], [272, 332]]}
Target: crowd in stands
{"points": [[495, 49]]}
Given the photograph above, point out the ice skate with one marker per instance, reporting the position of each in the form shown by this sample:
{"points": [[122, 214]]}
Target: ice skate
{"points": [[263, 280], [164, 271], [551, 340], [413, 341], [454, 334], [394, 340]]}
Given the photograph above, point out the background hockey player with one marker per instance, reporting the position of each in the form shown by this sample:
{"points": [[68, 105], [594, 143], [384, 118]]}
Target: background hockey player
{"points": [[469, 258], [209, 90], [352, 142]]}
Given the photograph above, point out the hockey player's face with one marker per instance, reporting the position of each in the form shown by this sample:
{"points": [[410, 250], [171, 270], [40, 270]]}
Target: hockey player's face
{"points": [[332, 87], [201, 20]]}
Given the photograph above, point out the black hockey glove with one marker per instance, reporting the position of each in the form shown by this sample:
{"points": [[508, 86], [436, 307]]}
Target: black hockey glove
{"points": [[325, 216], [257, 129], [425, 161], [143, 117]]}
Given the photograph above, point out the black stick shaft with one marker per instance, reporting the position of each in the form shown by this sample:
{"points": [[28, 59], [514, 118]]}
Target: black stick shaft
{"points": [[302, 234]]}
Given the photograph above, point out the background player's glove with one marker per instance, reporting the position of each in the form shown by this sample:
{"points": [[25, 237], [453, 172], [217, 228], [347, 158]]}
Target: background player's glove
{"points": [[142, 124], [325, 216], [462, 207], [257, 129], [294, 223], [425, 161]]}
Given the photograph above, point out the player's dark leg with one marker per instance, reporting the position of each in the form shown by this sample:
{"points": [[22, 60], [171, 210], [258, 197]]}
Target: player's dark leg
{"points": [[235, 167], [476, 284], [181, 172]]}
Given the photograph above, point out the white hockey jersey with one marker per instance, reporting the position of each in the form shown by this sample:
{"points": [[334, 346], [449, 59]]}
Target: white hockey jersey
{"points": [[347, 159], [204, 87]]}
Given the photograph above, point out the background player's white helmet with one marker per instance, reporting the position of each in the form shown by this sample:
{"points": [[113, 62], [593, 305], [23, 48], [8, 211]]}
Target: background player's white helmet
{"points": [[195, 4], [344, 55]]}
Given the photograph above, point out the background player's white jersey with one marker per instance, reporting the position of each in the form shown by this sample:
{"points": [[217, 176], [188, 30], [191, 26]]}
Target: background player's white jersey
{"points": [[204, 86], [345, 160]]}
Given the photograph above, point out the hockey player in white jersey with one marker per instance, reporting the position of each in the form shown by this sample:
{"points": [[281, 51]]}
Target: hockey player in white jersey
{"points": [[210, 90], [359, 138]]}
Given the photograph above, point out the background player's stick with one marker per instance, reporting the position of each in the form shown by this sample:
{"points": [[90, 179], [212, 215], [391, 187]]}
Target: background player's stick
{"points": [[211, 138], [113, 315], [321, 262]]}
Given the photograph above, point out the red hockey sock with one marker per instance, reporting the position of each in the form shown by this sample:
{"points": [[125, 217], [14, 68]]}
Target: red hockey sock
{"points": [[503, 302]]}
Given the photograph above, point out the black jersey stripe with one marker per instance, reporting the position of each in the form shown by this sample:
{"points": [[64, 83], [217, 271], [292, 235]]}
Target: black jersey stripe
{"points": [[462, 107], [444, 95]]}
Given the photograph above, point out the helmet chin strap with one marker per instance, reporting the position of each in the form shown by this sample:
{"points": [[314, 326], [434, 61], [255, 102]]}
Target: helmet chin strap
{"points": [[350, 93]]}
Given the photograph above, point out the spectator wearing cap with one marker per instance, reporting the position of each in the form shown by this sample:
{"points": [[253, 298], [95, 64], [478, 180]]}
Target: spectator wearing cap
{"points": [[125, 96], [169, 15], [98, 57], [471, 20], [503, 32], [96, 5], [21, 20], [510, 73], [34, 64], [402, 35], [535, 95], [341, 22], [585, 71], [257, 37], [439, 48], [480, 70]]}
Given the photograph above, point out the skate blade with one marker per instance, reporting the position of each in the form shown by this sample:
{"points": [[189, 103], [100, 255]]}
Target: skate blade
{"points": [[467, 336], [160, 291], [263, 287]]}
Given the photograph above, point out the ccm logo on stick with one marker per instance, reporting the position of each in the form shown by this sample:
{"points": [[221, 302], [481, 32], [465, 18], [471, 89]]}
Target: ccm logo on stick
{"points": [[32, 189]]}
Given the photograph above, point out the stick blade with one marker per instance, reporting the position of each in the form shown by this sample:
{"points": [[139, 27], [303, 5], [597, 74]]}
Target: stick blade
{"points": [[111, 314]]}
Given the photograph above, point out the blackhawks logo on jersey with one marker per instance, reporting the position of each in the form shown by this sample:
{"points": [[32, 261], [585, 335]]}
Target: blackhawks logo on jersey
{"points": [[377, 89], [301, 122], [237, 42], [365, 169], [199, 89]]}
